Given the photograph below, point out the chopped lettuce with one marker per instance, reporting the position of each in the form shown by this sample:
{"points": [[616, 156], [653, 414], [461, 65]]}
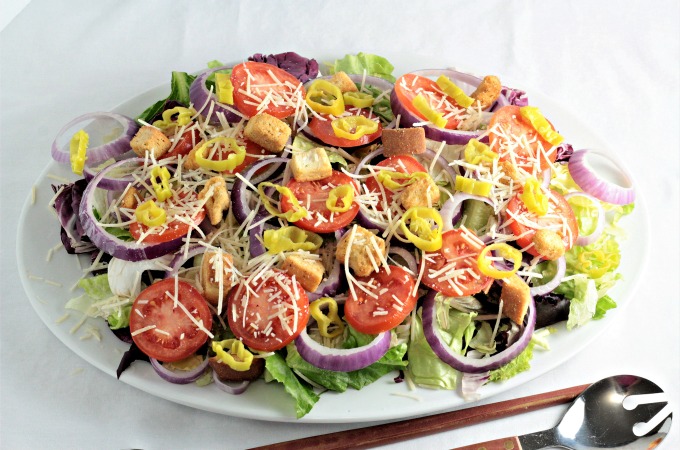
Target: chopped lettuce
{"points": [[519, 364], [374, 65], [583, 294], [383, 108], [99, 301], [179, 93], [305, 397]]}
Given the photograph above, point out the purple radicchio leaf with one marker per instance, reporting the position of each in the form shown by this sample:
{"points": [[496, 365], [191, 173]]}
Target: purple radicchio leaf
{"points": [[302, 68]]}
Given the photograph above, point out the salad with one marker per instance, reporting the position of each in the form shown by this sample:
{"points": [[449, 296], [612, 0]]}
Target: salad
{"points": [[321, 229]]}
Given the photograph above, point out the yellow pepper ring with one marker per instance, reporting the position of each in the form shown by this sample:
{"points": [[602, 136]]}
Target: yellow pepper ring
{"points": [[420, 103], [505, 251], [420, 232], [353, 127], [184, 116], [452, 90], [224, 89], [235, 158], [296, 213], [478, 152], [162, 187], [149, 214], [358, 99], [325, 98], [387, 177], [533, 197], [291, 239], [78, 151], [474, 187], [324, 320], [533, 115], [233, 353], [344, 193]]}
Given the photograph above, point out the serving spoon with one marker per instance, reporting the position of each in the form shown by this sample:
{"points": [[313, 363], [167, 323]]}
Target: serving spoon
{"points": [[623, 411]]}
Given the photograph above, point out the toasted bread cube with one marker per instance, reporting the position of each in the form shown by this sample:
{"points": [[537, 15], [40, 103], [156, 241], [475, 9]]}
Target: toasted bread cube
{"points": [[151, 140], [131, 199], [344, 82], [308, 272], [366, 252], [516, 297], [548, 244], [311, 165], [488, 91], [268, 132], [210, 281], [423, 192], [404, 141]]}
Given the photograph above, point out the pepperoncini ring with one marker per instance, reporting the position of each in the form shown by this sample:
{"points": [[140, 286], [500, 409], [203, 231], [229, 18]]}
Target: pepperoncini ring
{"points": [[533, 115], [452, 90], [325, 320], [534, 198], [291, 239], [358, 99], [296, 213], [387, 177], [595, 263], [474, 187], [505, 251], [224, 89], [184, 116], [353, 127], [150, 214], [233, 353], [419, 231], [344, 193], [479, 153], [420, 103], [161, 188], [236, 156], [78, 151], [325, 98]]}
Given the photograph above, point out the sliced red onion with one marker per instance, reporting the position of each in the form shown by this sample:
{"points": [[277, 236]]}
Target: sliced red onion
{"points": [[452, 209], [181, 257], [363, 217], [470, 384], [114, 183], [201, 97], [330, 285], [406, 255], [556, 280], [98, 153], [342, 360], [239, 193], [591, 183], [547, 177], [601, 222], [129, 251], [233, 388], [179, 377], [430, 154], [461, 362]]}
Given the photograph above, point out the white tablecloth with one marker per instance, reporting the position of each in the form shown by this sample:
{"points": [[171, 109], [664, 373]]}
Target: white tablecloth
{"points": [[614, 64]]}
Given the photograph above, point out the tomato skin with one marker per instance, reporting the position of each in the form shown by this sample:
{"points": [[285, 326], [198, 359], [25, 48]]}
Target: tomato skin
{"points": [[360, 307], [409, 85], [323, 130], [154, 307], [176, 229], [260, 75], [301, 189], [454, 246], [512, 122], [559, 206], [400, 163], [185, 144], [258, 306]]}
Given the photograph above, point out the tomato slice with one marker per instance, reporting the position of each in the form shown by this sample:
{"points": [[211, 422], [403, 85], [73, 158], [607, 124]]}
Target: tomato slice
{"points": [[185, 144], [175, 229], [313, 195], [254, 82], [393, 302], [164, 331], [408, 86], [323, 130], [400, 163], [512, 137], [559, 213], [453, 270], [262, 313]]}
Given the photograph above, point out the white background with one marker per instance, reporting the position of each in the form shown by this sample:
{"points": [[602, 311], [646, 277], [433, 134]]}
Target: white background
{"points": [[613, 64]]}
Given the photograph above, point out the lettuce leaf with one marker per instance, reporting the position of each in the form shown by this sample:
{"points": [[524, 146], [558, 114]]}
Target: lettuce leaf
{"points": [[305, 397], [520, 364], [374, 65], [392, 360], [97, 292], [180, 83]]}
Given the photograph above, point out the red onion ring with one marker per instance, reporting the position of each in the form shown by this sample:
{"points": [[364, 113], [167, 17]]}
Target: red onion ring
{"points": [[588, 239], [330, 285], [181, 257], [407, 256], [179, 377], [101, 152], [461, 362], [591, 183], [547, 177], [201, 97], [430, 154], [452, 209], [235, 388], [111, 183], [342, 360], [239, 192], [556, 280]]}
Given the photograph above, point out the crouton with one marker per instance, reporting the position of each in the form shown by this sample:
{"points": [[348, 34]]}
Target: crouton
{"points": [[422, 192], [488, 91], [151, 140], [218, 201], [308, 272], [548, 244], [131, 199], [344, 82], [311, 165], [404, 141], [516, 297], [366, 253], [509, 169], [210, 281], [268, 132]]}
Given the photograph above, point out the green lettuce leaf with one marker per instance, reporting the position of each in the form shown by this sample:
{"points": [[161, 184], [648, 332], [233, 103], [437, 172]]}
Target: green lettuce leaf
{"points": [[335, 381], [520, 364], [374, 65], [97, 293], [392, 360], [180, 83], [305, 397], [604, 304]]}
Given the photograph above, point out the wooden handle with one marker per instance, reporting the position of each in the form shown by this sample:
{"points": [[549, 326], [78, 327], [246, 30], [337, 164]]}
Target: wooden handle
{"points": [[509, 443], [407, 429]]}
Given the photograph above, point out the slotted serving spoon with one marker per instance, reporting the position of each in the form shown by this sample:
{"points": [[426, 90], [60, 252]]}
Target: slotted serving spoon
{"points": [[623, 411]]}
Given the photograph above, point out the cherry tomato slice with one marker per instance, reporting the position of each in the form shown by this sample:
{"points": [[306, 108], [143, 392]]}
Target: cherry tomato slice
{"points": [[263, 314], [408, 86], [185, 144], [253, 81], [559, 212], [313, 195], [400, 163], [395, 300], [175, 229], [323, 130], [164, 331], [453, 270]]}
